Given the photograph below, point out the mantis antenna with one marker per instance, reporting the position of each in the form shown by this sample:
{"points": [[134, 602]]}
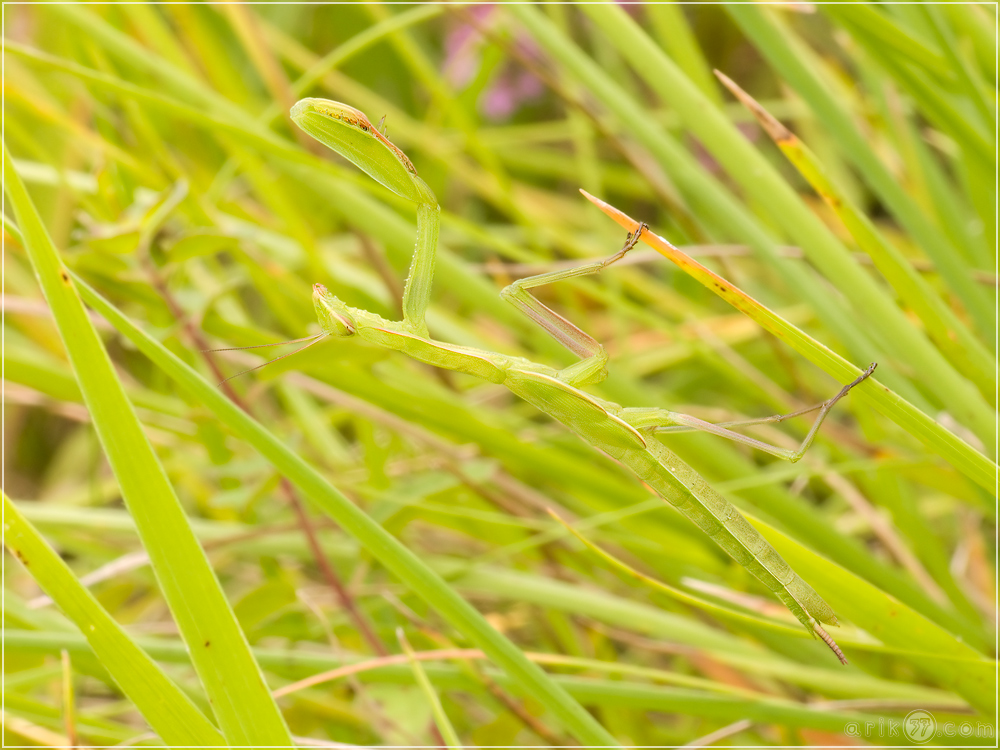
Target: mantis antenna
{"points": [[311, 339]]}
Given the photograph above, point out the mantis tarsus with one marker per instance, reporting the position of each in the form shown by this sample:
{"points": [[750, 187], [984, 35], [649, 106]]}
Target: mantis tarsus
{"points": [[626, 434]]}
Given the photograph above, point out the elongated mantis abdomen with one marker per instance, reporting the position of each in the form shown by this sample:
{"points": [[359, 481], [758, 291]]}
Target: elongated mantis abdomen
{"points": [[678, 484]]}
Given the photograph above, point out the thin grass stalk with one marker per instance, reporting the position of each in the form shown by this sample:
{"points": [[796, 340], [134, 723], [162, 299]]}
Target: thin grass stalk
{"points": [[441, 719]]}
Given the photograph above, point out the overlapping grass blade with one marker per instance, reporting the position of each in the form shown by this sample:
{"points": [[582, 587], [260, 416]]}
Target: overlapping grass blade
{"points": [[797, 67], [170, 712], [971, 80], [745, 163], [948, 332], [387, 549], [682, 596], [715, 203], [951, 74], [396, 232], [964, 457], [615, 694], [929, 647], [243, 707]]}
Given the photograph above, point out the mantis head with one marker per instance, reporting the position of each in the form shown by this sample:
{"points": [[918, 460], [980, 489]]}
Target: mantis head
{"points": [[348, 132], [334, 317]]}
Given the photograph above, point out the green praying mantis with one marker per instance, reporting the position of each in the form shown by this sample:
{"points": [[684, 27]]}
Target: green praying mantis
{"points": [[626, 434]]}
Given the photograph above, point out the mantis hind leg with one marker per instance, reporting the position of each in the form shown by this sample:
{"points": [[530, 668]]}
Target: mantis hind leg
{"points": [[592, 367], [661, 420]]}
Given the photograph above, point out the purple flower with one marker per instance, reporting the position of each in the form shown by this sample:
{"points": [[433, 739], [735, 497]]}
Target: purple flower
{"points": [[511, 84]]}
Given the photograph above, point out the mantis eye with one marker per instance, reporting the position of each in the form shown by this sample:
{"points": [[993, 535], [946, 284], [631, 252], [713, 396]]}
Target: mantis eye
{"points": [[334, 316], [343, 324]]}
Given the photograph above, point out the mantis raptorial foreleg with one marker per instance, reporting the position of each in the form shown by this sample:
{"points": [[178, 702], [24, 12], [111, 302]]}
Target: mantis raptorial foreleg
{"points": [[626, 434], [592, 367]]}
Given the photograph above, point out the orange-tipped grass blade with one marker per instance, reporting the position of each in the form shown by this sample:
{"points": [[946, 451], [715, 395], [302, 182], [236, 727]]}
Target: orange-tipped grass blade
{"points": [[950, 334], [732, 294], [949, 446]]}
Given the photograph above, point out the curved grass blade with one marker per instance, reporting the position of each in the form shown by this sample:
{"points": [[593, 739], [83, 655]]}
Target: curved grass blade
{"points": [[245, 710], [956, 451], [169, 712]]}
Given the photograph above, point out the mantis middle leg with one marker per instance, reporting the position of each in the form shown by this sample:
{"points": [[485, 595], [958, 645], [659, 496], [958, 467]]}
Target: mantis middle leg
{"points": [[592, 368], [661, 420]]}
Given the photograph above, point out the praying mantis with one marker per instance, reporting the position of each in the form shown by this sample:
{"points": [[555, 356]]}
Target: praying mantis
{"points": [[626, 434]]}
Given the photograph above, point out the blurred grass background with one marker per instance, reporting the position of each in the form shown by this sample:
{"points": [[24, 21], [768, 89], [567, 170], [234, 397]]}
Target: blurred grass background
{"points": [[155, 142]]}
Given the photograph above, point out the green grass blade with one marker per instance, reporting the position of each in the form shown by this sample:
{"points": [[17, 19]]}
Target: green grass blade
{"points": [[773, 41], [944, 327], [895, 40], [245, 710], [974, 88], [729, 709], [932, 649], [682, 596], [745, 163], [669, 24], [960, 454], [944, 194], [437, 710], [178, 81], [387, 549], [165, 707], [938, 108], [362, 41], [974, 22]]}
